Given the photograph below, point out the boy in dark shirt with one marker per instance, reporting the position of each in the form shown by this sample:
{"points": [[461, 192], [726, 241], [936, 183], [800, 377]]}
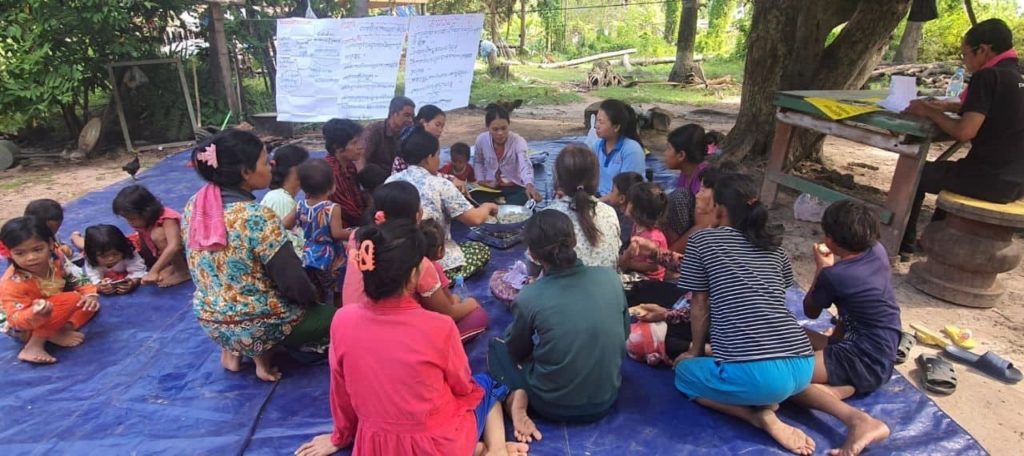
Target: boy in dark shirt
{"points": [[858, 357]]}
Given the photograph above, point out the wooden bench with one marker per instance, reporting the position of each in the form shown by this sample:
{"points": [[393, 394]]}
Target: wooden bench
{"points": [[968, 250]]}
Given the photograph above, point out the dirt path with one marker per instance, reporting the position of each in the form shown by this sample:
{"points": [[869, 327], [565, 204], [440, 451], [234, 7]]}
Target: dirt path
{"points": [[989, 410]]}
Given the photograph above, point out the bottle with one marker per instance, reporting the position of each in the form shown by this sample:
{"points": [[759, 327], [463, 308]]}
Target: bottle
{"points": [[956, 85], [460, 287]]}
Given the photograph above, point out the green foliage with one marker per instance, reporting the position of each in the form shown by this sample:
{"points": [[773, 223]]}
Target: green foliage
{"points": [[671, 20], [53, 54], [554, 24], [611, 29], [716, 41], [941, 40]]}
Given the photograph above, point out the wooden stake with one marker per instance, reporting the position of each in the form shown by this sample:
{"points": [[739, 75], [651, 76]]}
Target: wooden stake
{"points": [[223, 61]]}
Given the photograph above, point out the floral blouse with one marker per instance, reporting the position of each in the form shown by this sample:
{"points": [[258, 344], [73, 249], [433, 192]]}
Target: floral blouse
{"points": [[606, 252], [441, 201], [233, 288]]}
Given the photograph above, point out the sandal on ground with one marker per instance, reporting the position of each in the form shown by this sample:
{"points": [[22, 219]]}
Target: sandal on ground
{"points": [[937, 374], [990, 364], [927, 336], [906, 345], [961, 337]]}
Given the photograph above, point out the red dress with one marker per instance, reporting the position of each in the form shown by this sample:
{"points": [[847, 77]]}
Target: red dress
{"points": [[400, 381]]}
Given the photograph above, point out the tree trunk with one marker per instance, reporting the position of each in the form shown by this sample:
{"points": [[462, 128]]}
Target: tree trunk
{"points": [[970, 12], [781, 56], [683, 67], [671, 9], [909, 43], [492, 21]]}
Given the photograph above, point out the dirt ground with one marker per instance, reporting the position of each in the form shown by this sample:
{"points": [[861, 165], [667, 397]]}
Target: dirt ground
{"points": [[991, 411]]}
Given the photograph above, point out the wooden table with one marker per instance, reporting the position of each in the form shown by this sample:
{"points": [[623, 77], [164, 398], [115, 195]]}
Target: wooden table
{"points": [[907, 136]]}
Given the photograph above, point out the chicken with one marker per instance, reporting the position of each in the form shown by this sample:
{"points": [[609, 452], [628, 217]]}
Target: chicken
{"points": [[132, 167]]}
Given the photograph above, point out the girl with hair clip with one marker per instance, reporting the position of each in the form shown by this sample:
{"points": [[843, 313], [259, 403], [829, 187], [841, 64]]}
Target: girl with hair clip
{"points": [[502, 161], [400, 201], [400, 378], [252, 293], [738, 274], [595, 223], [561, 356], [619, 150]]}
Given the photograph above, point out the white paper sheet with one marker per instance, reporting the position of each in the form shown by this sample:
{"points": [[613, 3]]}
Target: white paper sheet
{"points": [[440, 58], [902, 89], [329, 68]]}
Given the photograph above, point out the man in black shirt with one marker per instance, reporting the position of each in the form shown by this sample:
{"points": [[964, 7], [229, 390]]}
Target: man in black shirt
{"points": [[991, 118]]}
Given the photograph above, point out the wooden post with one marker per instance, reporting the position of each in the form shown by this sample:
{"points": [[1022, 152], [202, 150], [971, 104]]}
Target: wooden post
{"points": [[776, 160], [220, 45], [901, 197]]}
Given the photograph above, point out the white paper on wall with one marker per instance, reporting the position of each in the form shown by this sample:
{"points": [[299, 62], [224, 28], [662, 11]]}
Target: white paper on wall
{"points": [[440, 58]]}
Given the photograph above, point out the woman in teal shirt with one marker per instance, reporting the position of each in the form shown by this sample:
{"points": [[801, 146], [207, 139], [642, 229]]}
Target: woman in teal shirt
{"points": [[619, 150], [562, 354]]}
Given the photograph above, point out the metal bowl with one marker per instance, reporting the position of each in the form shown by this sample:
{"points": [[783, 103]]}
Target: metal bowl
{"points": [[505, 211]]}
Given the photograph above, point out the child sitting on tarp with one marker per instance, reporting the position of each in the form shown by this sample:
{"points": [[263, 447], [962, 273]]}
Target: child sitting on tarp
{"points": [[853, 273], [44, 297], [470, 318], [621, 185], [50, 212], [157, 237], [111, 262], [459, 166]]}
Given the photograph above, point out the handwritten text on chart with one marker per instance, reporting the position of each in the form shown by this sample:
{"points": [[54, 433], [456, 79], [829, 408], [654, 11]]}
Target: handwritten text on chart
{"points": [[439, 66], [323, 63]]}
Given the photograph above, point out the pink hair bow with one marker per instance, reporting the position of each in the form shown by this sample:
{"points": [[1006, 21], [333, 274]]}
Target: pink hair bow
{"points": [[208, 156]]}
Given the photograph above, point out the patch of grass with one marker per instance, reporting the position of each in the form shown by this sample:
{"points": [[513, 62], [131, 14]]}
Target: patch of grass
{"points": [[663, 94], [17, 182], [486, 90], [561, 75]]}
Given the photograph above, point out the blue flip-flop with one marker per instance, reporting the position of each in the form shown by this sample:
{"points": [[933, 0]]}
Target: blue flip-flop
{"points": [[990, 363]]}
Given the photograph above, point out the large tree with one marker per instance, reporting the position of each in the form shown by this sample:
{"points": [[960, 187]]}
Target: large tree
{"points": [[787, 49], [687, 37]]}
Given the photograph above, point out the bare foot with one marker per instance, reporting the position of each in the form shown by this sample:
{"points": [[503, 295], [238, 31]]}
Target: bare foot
{"points": [[264, 370], [525, 429], [863, 432], [230, 361], [175, 278], [788, 436], [35, 352], [68, 337]]}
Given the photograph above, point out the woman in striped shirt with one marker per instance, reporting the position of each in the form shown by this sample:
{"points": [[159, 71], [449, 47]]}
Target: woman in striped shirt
{"points": [[761, 356]]}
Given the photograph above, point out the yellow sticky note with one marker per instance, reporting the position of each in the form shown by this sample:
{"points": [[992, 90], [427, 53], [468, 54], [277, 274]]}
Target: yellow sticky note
{"points": [[837, 110]]}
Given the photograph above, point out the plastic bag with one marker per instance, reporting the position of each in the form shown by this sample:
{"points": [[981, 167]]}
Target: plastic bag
{"points": [[592, 138], [646, 342], [808, 208]]}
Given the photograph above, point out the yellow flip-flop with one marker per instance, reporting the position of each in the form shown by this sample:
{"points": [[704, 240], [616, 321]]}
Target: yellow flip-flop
{"points": [[961, 337], [927, 336]]}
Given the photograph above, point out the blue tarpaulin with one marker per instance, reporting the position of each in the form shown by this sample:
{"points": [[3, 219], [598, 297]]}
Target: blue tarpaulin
{"points": [[147, 380]]}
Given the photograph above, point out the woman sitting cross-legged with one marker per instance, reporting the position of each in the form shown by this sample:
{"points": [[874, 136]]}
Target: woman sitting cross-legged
{"points": [[562, 354], [400, 379]]}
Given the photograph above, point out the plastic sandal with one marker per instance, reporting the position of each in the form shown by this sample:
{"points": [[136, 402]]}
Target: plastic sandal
{"points": [[906, 345], [961, 337], [990, 364], [927, 336], [937, 374]]}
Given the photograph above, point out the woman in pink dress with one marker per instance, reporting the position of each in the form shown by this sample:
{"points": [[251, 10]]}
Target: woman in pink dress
{"points": [[400, 379]]}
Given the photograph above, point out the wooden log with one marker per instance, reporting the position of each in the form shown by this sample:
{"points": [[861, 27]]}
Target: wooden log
{"points": [[574, 62]]}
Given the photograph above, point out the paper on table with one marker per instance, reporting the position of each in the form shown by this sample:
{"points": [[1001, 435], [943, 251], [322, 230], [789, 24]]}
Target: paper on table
{"points": [[902, 89], [838, 110]]}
